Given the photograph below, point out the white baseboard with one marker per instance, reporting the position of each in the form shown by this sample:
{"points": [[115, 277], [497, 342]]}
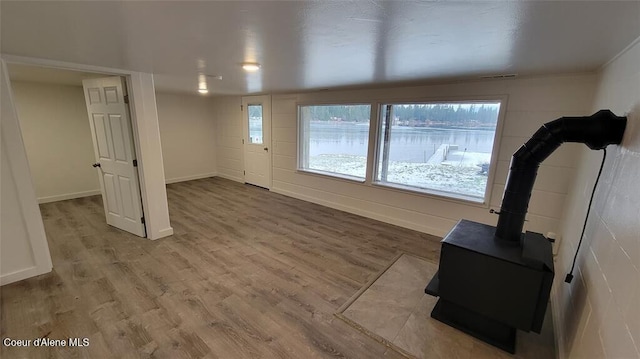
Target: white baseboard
{"points": [[231, 178], [23, 274], [161, 233], [190, 178], [62, 197], [438, 232]]}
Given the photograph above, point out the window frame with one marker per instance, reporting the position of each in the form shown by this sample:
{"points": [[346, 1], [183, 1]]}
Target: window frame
{"points": [[299, 145], [376, 103], [439, 194]]}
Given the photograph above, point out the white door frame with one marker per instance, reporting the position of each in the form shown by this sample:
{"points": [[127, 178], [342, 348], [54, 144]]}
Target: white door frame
{"points": [[146, 134]]}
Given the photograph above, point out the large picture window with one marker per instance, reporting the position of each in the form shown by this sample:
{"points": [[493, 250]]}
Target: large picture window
{"points": [[441, 148], [334, 139]]}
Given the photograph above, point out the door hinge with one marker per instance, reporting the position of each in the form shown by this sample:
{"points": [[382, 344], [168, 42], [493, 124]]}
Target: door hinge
{"points": [[126, 98], [244, 173], [243, 141], [135, 163], [241, 107], [142, 220]]}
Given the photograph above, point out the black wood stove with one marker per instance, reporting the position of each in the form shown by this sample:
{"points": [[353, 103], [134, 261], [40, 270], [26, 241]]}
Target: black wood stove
{"points": [[492, 281]]}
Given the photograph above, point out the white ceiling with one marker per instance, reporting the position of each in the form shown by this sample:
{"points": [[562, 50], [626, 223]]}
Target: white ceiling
{"points": [[320, 44]]}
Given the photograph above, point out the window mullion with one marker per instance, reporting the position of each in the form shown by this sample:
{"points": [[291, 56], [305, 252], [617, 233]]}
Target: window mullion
{"points": [[386, 142]]}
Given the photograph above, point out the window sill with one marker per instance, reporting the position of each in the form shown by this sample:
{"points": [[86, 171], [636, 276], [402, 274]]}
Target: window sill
{"points": [[441, 195], [331, 175]]}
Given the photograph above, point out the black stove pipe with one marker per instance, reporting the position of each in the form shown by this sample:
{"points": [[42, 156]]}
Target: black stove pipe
{"points": [[596, 131]]}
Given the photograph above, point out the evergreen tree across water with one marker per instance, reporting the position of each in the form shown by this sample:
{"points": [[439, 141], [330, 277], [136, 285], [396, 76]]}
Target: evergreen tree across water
{"points": [[444, 114]]}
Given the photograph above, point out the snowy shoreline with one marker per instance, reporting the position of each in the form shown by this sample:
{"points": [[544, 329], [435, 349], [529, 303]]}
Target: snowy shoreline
{"points": [[464, 177]]}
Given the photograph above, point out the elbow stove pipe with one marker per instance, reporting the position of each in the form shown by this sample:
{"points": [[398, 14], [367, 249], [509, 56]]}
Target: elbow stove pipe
{"points": [[596, 131]]}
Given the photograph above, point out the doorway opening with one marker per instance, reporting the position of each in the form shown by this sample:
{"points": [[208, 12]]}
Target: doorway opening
{"points": [[256, 120], [80, 140]]}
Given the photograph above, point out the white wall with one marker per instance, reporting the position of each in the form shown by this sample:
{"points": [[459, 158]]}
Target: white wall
{"points": [[24, 251], [229, 140], [599, 312], [188, 132], [58, 140], [531, 102], [57, 137]]}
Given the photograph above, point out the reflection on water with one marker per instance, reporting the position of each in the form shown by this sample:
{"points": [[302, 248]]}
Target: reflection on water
{"points": [[408, 144]]}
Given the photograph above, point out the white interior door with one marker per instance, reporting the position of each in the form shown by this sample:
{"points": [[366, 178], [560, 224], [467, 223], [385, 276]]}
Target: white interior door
{"points": [[115, 155], [256, 118]]}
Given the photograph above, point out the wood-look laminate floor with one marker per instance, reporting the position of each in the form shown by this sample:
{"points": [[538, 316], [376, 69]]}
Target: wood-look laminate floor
{"points": [[247, 274]]}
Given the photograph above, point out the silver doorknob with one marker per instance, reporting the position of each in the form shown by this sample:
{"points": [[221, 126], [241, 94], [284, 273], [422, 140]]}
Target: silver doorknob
{"points": [[96, 164]]}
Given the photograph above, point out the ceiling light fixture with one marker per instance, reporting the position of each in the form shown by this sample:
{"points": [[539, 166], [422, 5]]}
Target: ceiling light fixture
{"points": [[203, 91], [251, 66]]}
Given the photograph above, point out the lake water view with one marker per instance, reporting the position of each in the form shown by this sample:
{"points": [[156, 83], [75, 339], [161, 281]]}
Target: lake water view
{"points": [[340, 147], [408, 144]]}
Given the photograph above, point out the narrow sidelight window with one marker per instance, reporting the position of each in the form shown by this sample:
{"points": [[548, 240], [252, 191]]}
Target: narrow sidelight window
{"points": [[255, 124]]}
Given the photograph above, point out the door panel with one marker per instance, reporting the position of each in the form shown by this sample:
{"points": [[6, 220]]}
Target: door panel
{"points": [[100, 136], [117, 134], [256, 118], [111, 95], [94, 96], [127, 202], [110, 189], [114, 150]]}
